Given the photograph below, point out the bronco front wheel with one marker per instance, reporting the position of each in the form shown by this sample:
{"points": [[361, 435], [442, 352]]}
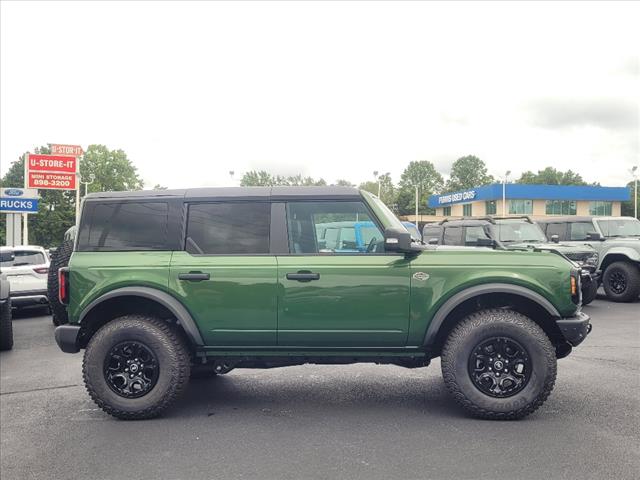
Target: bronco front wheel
{"points": [[499, 364], [135, 367]]}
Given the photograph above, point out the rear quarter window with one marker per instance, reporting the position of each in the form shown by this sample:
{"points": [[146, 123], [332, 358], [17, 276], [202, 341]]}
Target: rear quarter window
{"points": [[125, 226]]}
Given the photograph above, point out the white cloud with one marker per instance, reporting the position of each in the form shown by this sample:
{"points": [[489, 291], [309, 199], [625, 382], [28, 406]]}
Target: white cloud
{"points": [[334, 90]]}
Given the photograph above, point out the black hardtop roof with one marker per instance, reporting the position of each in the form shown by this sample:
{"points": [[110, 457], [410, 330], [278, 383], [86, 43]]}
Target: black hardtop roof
{"points": [[566, 218], [234, 193]]}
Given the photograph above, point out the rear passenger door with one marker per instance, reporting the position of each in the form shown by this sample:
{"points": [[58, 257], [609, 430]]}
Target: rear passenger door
{"points": [[340, 297], [225, 275]]}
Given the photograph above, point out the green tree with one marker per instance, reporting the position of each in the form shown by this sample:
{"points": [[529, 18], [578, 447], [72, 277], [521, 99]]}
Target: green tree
{"points": [[112, 170], [551, 176], [344, 183], [263, 178], [468, 172], [423, 175], [627, 207], [157, 186], [387, 189]]}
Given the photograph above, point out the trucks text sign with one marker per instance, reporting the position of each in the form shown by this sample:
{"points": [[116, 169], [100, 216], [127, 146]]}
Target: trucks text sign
{"points": [[18, 200], [51, 163]]}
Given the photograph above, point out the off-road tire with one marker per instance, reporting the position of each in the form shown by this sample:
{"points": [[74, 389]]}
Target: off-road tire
{"points": [[59, 259], [484, 324], [589, 292], [631, 272], [6, 326], [163, 340]]}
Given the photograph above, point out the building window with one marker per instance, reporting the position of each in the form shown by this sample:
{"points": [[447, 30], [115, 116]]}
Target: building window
{"points": [[560, 207], [466, 210], [600, 208], [490, 207], [446, 211], [520, 207]]}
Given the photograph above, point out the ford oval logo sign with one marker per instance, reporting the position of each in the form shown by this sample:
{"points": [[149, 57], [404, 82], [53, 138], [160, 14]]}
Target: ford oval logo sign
{"points": [[13, 192]]}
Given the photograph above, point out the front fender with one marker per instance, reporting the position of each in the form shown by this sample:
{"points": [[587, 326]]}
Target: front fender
{"points": [[632, 253], [448, 306]]}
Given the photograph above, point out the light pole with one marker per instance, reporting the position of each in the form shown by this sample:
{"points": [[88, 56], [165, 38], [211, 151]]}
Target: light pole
{"points": [[417, 200], [504, 193], [92, 177], [634, 172], [375, 175]]}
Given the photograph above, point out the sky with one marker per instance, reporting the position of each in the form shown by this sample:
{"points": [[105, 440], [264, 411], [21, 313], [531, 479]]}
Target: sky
{"points": [[191, 91]]}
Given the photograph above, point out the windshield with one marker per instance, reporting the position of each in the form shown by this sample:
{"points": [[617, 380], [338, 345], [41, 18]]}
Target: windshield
{"points": [[21, 257], [413, 230], [510, 232], [389, 217], [623, 227]]}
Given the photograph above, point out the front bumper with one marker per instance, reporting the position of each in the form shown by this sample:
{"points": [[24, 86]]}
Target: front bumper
{"points": [[26, 298], [67, 338], [575, 329]]}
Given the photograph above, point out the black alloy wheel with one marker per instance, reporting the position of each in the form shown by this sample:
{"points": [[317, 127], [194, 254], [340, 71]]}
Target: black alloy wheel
{"points": [[499, 367], [131, 369]]}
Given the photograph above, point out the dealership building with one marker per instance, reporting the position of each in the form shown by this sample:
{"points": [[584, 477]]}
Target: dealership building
{"points": [[534, 200]]}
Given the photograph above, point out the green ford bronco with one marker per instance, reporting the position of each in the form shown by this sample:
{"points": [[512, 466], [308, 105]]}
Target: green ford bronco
{"points": [[166, 285]]}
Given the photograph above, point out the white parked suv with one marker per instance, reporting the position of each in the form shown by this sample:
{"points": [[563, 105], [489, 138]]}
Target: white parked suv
{"points": [[26, 268]]}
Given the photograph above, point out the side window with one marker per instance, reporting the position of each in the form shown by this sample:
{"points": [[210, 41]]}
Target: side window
{"points": [[472, 234], [348, 228], [580, 230], [431, 232], [228, 228], [559, 229], [123, 226], [452, 236]]}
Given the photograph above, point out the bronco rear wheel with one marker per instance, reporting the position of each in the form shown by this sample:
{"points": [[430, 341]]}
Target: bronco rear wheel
{"points": [[135, 367], [6, 326], [499, 364]]}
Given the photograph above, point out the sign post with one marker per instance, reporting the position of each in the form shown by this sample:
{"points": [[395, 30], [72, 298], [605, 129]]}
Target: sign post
{"points": [[25, 222]]}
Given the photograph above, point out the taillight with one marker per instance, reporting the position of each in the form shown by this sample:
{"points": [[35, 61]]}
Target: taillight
{"points": [[63, 285], [41, 270]]}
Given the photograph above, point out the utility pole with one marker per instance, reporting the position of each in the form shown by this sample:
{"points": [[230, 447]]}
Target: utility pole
{"points": [[25, 224], [504, 193], [417, 200], [634, 172], [375, 175]]}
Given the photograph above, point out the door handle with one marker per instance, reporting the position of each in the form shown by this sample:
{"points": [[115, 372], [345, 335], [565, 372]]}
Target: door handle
{"points": [[303, 276], [194, 276]]}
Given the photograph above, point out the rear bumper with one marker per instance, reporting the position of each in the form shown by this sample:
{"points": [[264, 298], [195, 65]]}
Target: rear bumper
{"points": [[575, 329], [67, 338], [29, 297]]}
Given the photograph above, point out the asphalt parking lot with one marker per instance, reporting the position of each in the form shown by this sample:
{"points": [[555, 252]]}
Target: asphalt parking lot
{"points": [[360, 421]]}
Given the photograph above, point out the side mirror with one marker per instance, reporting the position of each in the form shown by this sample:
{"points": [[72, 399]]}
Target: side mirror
{"points": [[594, 236], [433, 241], [486, 242], [555, 238], [397, 240]]}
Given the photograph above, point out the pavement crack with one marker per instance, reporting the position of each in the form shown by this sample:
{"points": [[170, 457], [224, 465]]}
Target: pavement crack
{"points": [[40, 389]]}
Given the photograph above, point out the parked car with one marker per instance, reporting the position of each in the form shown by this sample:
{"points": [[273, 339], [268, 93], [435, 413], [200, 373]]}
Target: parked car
{"points": [[346, 236], [26, 268], [616, 239], [514, 233], [6, 327], [225, 278]]}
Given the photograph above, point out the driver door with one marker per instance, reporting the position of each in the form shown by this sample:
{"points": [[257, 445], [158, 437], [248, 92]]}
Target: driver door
{"points": [[340, 294]]}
